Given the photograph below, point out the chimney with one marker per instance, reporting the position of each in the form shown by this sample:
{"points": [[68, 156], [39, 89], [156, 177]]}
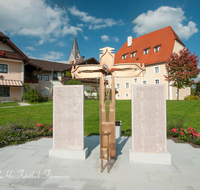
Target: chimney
{"points": [[129, 41]]}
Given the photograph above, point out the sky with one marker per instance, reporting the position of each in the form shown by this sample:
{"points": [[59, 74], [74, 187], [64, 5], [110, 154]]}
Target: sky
{"points": [[45, 29]]}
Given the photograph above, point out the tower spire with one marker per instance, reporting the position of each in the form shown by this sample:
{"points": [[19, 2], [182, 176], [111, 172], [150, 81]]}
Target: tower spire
{"points": [[75, 54]]}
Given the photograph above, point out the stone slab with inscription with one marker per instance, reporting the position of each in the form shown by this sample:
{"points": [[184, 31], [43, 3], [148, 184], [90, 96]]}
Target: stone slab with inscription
{"points": [[149, 124], [68, 122]]}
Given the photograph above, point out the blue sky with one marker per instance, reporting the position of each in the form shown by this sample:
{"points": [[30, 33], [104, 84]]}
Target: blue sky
{"points": [[44, 29]]}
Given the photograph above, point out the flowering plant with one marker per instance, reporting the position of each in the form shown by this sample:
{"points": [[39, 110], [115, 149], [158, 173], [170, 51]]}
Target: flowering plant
{"points": [[18, 133], [2, 53], [185, 134]]}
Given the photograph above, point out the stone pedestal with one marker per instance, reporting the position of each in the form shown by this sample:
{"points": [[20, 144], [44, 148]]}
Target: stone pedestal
{"points": [[149, 125], [68, 122], [117, 129]]}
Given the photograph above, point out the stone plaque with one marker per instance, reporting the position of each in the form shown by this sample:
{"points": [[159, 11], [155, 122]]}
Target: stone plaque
{"points": [[149, 118], [68, 117]]}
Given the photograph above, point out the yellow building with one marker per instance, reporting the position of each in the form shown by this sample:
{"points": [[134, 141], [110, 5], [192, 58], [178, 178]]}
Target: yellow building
{"points": [[152, 49], [12, 61]]}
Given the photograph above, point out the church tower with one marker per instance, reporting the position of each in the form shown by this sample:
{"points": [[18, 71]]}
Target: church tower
{"points": [[75, 56]]}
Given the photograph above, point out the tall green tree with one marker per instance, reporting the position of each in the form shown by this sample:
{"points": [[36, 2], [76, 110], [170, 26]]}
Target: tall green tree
{"points": [[181, 68]]}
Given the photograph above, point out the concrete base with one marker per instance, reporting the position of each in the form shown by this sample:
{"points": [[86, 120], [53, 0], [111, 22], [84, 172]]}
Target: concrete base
{"points": [[69, 154], [117, 132], [150, 158]]}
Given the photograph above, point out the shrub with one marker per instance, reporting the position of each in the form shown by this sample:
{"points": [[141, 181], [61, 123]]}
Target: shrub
{"points": [[43, 98], [177, 130], [72, 82], [191, 97], [15, 99], [32, 95]]}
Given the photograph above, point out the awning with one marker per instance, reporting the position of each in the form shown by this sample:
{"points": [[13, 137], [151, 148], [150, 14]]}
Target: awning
{"points": [[11, 83]]}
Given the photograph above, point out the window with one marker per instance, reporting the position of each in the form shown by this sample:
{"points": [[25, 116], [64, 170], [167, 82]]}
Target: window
{"points": [[46, 77], [127, 85], [126, 95], [46, 92], [145, 71], [135, 80], [156, 69], [55, 74], [117, 96], [156, 81], [144, 82], [117, 85], [3, 68], [156, 49], [133, 54], [124, 56], [4, 91], [39, 76], [146, 51]]}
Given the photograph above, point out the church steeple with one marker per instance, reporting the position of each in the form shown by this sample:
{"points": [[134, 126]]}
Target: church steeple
{"points": [[75, 54]]}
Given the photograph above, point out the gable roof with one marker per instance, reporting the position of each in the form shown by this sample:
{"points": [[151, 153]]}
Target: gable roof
{"points": [[56, 66], [17, 54], [165, 38], [50, 65], [91, 60]]}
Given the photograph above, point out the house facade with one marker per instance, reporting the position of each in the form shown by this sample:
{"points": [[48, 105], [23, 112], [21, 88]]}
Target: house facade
{"points": [[12, 61], [50, 74], [153, 50]]}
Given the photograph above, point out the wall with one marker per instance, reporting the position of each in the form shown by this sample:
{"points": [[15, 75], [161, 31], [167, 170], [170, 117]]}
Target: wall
{"points": [[15, 72], [150, 77], [44, 87], [5, 47], [177, 47]]}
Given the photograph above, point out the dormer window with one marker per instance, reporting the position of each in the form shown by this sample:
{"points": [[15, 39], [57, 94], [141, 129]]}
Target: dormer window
{"points": [[146, 51], [133, 54], [124, 56], [156, 49]]}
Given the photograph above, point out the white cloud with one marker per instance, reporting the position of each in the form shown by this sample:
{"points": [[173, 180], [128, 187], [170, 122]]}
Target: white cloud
{"points": [[105, 38], [86, 38], [84, 16], [52, 40], [30, 48], [71, 30], [40, 42], [79, 25], [61, 44], [52, 55], [35, 18], [96, 23], [162, 17], [116, 39]]}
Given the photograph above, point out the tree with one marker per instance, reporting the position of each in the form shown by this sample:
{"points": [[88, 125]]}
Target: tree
{"points": [[181, 68]]}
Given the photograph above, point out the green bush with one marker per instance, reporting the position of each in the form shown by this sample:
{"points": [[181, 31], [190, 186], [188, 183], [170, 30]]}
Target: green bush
{"points": [[191, 97], [43, 98], [32, 95], [72, 82]]}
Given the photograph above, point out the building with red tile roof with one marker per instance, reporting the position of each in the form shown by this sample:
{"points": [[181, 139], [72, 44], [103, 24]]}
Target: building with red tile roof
{"points": [[152, 49]]}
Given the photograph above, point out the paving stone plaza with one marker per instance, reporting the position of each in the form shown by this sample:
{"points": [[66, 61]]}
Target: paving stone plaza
{"points": [[29, 167]]}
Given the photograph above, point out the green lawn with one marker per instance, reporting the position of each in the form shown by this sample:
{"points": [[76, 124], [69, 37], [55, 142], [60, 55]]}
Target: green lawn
{"points": [[8, 104], [42, 113]]}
